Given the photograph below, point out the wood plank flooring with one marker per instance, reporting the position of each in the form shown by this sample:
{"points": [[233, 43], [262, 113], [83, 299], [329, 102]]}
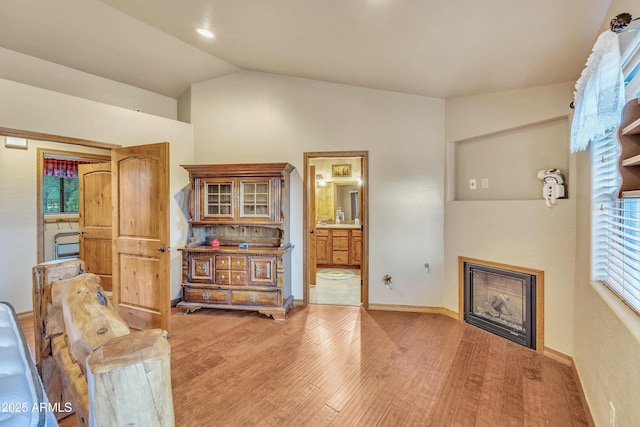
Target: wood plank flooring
{"points": [[345, 366]]}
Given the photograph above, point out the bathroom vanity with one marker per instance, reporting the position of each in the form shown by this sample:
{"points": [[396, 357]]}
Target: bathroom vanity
{"points": [[338, 245]]}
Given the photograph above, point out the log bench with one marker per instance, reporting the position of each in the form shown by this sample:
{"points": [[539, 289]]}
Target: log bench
{"points": [[87, 355]]}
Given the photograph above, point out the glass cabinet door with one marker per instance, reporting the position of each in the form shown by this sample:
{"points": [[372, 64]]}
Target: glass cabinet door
{"points": [[218, 198], [255, 198]]}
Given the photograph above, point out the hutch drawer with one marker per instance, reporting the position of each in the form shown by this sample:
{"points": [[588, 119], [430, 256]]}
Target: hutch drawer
{"points": [[229, 262], [230, 277], [255, 297], [207, 295]]}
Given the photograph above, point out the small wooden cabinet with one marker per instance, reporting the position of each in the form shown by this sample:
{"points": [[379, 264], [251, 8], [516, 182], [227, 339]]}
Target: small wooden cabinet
{"points": [[246, 208], [338, 247]]}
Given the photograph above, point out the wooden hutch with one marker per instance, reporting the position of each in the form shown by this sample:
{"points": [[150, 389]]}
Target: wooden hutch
{"points": [[245, 207]]}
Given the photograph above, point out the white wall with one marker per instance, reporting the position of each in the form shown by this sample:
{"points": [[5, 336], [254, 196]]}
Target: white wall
{"points": [[38, 110], [256, 117], [607, 332], [18, 67], [517, 232], [513, 174]]}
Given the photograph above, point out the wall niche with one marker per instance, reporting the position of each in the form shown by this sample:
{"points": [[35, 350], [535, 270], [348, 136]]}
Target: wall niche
{"points": [[505, 164]]}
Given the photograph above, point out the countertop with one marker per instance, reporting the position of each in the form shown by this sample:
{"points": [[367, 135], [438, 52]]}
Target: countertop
{"points": [[338, 226]]}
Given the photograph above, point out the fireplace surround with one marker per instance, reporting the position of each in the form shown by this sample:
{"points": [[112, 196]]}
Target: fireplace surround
{"points": [[503, 299]]}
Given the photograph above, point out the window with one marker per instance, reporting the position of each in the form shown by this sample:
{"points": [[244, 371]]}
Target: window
{"points": [[616, 226], [60, 195], [60, 185], [615, 222]]}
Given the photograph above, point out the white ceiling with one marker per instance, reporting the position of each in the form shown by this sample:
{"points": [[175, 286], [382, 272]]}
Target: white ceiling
{"points": [[438, 48]]}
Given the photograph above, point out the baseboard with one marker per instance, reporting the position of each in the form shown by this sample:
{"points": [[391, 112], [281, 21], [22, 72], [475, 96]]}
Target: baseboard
{"points": [[415, 309], [298, 303], [24, 314], [568, 361], [583, 397], [556, 355]]}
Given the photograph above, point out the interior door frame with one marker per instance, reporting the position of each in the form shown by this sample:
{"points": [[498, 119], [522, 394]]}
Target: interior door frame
{"points": [[52, 138], [41, 153], [307, 180]]}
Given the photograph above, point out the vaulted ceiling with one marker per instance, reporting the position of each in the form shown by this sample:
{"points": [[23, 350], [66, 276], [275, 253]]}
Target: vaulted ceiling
{"points": [[437, 48]]}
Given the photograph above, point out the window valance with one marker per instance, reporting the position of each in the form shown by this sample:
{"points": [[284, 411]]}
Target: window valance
{"points": [[599, 93], [61, 168]]}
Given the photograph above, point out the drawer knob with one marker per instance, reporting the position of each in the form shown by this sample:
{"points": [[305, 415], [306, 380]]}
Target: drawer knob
{"points": [[259, 270], [206, 296], [238, 263], [238, 277], [253, 298], [222, 262], [222, 277]]}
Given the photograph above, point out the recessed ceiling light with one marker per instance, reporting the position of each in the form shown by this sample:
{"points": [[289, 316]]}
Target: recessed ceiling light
{"points": [[205, 33]]}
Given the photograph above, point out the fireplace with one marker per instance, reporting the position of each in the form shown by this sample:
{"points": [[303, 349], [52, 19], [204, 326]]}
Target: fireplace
{"points": [[503, 300]]}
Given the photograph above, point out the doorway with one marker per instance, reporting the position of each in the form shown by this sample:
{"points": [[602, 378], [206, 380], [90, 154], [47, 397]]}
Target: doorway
{"points": [[336, 228], [58, 203]]}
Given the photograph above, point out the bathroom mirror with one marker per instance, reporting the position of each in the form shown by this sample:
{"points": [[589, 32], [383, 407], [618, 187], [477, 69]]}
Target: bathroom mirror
{"points": [[347, 197]]}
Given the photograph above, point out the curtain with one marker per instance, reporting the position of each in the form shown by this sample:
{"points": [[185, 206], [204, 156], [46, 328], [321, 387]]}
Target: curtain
{"points": [[599, 94], [61, 168]]}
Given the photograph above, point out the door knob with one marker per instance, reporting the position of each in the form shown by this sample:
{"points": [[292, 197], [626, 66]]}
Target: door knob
{"points": [[163, 249]]}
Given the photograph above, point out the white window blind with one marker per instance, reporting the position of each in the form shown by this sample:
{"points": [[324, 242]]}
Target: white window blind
{"points": [[616, 222]]}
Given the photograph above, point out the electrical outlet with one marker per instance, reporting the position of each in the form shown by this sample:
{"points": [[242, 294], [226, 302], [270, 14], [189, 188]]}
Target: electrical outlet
{"points": [[472, 184], [386, 279], [612, 414]]}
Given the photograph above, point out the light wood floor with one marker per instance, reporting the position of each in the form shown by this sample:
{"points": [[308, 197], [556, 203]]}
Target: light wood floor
{"points": [[344, 366]]}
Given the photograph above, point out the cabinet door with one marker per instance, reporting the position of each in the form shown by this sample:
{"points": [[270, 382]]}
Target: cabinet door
{"points": [[262, 271], [356, 247], [217, 199], [256, 198], [323, 248], [200, 268], [325, 203]]}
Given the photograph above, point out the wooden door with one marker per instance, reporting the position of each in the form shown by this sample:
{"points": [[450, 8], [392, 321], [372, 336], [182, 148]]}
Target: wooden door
{"points": [[141, 279], [94, 193], [325, 203], [311, 213]]}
